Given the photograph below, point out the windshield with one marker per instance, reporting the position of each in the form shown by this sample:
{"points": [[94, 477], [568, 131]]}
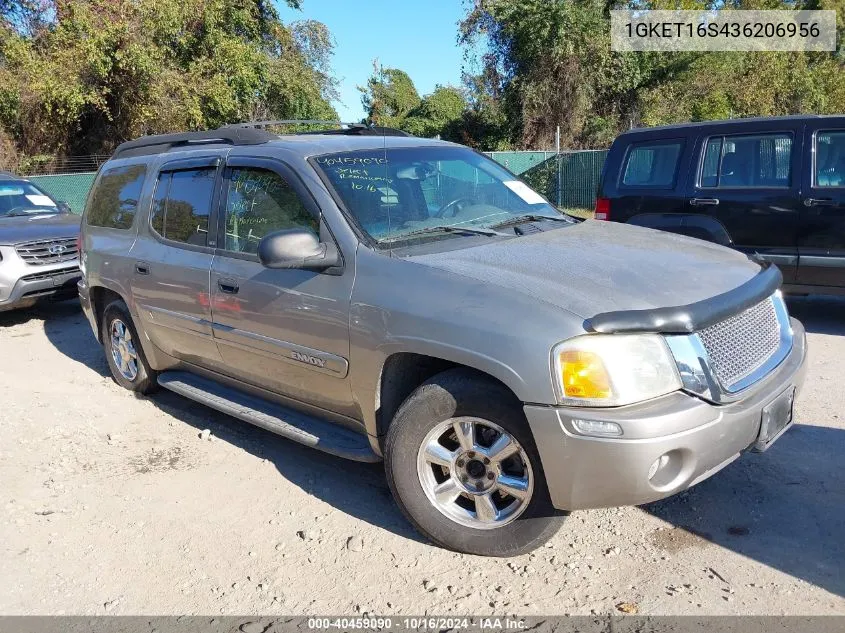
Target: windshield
{"points": [[402, 194], [22, 198]]}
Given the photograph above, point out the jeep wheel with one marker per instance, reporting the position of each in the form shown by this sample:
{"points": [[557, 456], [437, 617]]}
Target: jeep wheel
{"points": [[462, 465], [123, 350]]}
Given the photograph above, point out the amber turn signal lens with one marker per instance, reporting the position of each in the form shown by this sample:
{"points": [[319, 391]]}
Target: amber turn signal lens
{"points": [[584, 375]]}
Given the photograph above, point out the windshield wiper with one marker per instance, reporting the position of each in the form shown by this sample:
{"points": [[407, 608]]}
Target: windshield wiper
{"points": [[445, 228], [529, 217]]}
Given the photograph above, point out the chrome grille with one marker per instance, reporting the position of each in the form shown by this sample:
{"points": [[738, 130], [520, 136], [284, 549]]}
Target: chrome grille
{"points": [[48, 251], [740, 344]]}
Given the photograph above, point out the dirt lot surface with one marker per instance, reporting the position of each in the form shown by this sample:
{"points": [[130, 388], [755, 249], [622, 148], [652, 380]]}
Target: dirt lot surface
{"points": [[113, 504]]}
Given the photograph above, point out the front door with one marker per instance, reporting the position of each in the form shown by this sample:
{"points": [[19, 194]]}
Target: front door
{"points": [[286, 331], [172, 261], [821, 238], [750, 183]]}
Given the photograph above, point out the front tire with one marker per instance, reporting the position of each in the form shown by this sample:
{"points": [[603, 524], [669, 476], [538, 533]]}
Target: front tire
{"points": [[462, 465], [128, 365]]}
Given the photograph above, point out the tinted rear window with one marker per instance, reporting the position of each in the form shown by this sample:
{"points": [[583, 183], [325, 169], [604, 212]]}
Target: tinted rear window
{"points": [[182, 205], [652, 164], [114, 200]]}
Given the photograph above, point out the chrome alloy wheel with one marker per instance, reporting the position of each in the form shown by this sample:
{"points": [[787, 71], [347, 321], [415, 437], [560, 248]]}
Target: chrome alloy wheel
{"points": [[123, 350], [475, 473]]}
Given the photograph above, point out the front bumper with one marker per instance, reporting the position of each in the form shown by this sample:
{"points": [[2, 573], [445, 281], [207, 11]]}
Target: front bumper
{"points": [[21, 285], [698, 437]]}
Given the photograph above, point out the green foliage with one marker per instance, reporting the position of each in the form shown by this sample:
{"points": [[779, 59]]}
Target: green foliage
{"points": [[389, 96], [81, 76], [549, 63], [391, 99]]}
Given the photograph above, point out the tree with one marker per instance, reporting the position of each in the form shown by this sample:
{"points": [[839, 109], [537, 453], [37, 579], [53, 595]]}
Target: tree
{"points": [[439, 113], [89, 74], [549, 63], [389, 96]]}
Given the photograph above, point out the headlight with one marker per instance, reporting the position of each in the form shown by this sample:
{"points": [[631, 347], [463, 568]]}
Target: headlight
{"points": [[610, 370]]}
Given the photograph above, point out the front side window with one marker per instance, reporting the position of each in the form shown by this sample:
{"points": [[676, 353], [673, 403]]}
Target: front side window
{"points": [[259, 202], [395, 194], [182, 204], [652, 165], [760, 160], [115, 198], [830, 159]]}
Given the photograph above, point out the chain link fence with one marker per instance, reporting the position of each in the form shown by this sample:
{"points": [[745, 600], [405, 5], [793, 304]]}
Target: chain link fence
{"points": [[569, 180], [70, 188]]}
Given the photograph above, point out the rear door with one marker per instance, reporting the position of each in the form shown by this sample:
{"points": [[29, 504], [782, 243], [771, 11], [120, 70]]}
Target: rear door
{"points": [[284, 330], [749, 182], [821, 236], [172, 260]]}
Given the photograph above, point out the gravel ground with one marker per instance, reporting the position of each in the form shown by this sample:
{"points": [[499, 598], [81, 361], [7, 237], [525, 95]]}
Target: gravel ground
{"points": [[114, 504]]}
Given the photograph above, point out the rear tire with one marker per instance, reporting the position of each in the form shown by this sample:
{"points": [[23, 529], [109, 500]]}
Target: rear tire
{"points": [[124, 354], [463, 467]]}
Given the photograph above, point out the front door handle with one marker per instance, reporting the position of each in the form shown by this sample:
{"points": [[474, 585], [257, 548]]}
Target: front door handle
{"points": [[704, 202], [142, 268], [818, 202], [229, 286]]}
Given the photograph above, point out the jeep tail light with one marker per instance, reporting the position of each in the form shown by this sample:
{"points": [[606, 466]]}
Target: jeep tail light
{"points": [[602, 211]]}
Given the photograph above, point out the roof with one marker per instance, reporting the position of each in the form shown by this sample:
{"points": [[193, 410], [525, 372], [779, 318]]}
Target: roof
{"points": [[315, 144], [795, 118], [308, 143]]}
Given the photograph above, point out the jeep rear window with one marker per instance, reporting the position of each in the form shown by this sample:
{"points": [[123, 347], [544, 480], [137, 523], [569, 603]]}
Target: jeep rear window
{"points": [[115, 197], [393, 192], [652, 165]]}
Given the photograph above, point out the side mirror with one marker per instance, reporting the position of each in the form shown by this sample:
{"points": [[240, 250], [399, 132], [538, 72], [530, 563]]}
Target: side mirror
{"points": [[296, 248], [63, 206]]}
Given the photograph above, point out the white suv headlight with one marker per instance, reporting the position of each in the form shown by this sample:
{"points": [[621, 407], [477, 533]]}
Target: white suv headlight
{"points": [[610, 370]]}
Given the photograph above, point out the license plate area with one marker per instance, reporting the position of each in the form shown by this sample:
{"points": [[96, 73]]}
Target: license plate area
{"points": [[775, 419]]}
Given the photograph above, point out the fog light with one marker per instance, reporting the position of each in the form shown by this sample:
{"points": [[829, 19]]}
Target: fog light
{"points": [[597, 427], [659, 463]]}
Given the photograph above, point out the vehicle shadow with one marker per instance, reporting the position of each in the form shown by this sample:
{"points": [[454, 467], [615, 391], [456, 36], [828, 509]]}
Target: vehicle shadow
{"points": [[357, 489], [43, 311], [819, 314], [784, 508]]}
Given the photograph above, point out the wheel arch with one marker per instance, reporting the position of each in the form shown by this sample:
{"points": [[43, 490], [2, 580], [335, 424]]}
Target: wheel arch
{"points": [[402, 372]]}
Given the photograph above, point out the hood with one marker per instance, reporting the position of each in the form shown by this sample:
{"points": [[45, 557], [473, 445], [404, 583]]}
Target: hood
{"points": [[596, 267], [38, 227]]}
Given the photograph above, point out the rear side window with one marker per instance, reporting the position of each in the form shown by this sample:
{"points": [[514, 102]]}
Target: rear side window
{"points": [[759, 160], [114, 201], [652, 164], [830, 159], [182, 204]]}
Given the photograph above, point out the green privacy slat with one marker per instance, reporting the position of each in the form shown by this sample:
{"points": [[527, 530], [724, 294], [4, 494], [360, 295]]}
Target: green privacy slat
{"points": [[70, 188], [570, 180]]}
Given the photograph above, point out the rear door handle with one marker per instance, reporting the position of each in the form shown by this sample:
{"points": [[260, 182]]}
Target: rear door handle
{"points": [[142, 268], [704, 202], [818, 202], [229, 286]]}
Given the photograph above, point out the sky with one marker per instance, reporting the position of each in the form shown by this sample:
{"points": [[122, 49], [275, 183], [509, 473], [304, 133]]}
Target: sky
{"points": [[417, 37]]}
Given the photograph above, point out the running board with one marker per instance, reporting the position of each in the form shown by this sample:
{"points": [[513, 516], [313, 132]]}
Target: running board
{"points": [[294, 425]]}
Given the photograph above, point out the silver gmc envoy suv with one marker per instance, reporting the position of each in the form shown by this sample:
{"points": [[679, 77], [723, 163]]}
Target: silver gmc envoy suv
{"points": [[384, 297], [38, 237]]}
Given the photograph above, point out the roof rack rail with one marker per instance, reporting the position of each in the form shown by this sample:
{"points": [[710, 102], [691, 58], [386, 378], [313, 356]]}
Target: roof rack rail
{"points": [[351, 129], [157, 143]]}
